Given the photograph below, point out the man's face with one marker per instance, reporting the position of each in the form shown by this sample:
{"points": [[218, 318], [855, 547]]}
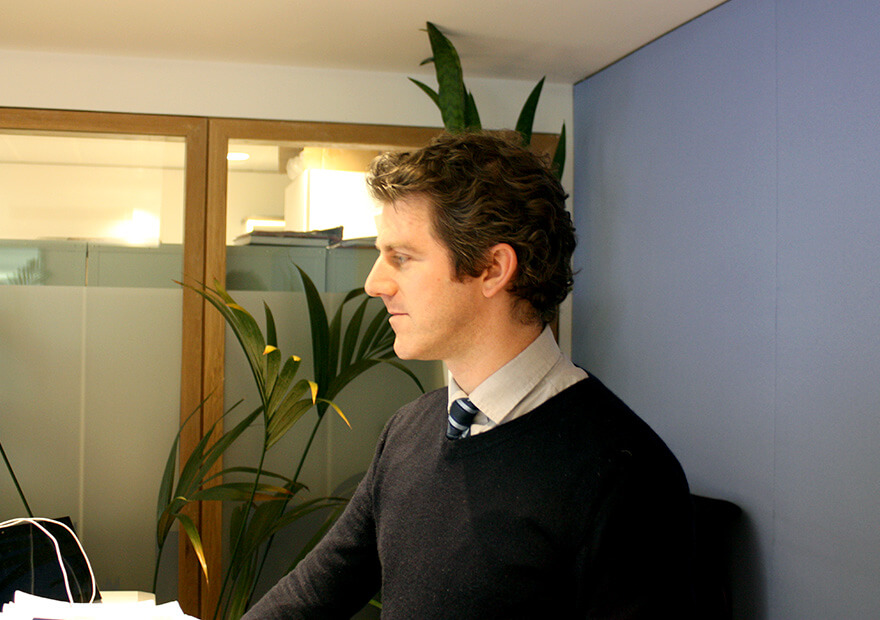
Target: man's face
{"points": [[431, 311]]}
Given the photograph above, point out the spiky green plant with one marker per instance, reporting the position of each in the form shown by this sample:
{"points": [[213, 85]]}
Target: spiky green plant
{"points": [[458, 110], [342, 351]]}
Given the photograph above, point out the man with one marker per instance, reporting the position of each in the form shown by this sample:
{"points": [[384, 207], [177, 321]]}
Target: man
{"points": [[542, 494]]}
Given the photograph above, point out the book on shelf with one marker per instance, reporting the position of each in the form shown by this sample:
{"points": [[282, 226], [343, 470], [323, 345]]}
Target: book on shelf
{"points": [[311, 238]]}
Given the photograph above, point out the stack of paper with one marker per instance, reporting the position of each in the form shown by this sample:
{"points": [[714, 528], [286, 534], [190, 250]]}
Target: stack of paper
{"points": [[28, 607]]}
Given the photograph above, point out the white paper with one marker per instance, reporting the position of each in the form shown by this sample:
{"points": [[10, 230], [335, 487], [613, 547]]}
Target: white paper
{"points": [[29, 607]]}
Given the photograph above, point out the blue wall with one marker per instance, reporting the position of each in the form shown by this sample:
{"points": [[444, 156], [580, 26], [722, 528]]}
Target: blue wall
{"points": [[727, 198]]}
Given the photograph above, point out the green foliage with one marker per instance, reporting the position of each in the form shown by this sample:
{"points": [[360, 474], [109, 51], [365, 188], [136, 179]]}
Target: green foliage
{"points": [[456, 103], [267, 502]]}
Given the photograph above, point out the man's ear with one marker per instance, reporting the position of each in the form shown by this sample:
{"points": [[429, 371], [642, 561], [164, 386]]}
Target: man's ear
{"points": [[501, 269]]}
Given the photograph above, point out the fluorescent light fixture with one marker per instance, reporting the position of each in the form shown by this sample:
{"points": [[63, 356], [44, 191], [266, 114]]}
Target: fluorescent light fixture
{"points": [[235, 156]]}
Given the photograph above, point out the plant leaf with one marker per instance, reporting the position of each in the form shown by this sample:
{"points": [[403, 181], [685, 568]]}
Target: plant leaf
{"points": [[337, 410], [348, 375], [271, 364], [336, 334], [428, 91], [399, 365], [303, 509], [164, 519], [558, 164], [471, 116], [526, 119], [239, 491], [256, 471], [282, 383], [320, 329], [373, 334], [450, 80], [226, 439], [271, 336], [286, 416], [243, 325], [193, 534], [351, 334]]}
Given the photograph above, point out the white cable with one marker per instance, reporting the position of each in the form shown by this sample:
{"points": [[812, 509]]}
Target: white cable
{"points": [[35, 521]]}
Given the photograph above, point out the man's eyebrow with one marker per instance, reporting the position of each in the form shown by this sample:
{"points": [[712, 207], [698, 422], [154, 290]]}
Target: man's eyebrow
{"points": [[394, 247]]}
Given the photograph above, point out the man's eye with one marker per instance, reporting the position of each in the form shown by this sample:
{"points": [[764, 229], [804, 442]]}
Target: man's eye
{"points": [[400, 258]]}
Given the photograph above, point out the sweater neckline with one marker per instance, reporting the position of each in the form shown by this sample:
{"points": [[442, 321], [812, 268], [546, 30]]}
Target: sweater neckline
{"points": [[534, 420]]}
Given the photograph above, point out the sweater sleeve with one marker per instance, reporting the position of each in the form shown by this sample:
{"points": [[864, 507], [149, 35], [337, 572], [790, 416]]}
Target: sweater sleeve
{"points": [[338, 577]]}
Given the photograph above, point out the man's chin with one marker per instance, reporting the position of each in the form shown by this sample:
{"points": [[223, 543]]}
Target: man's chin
{"points": [[407, 353]]}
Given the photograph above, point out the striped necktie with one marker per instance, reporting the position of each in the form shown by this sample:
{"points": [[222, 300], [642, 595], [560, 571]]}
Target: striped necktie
{"points": [[461, 414]]}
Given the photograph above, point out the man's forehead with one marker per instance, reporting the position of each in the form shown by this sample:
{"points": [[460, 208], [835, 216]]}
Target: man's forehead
{"points": [[412, 203], [405, 215]]}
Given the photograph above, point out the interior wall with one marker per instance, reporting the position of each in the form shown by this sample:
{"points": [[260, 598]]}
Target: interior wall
{"points": [[725, 196], [236, 90]]}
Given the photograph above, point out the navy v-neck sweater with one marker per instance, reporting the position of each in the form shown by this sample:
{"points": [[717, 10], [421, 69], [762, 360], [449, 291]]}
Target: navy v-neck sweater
{"points": [[575, 510]]}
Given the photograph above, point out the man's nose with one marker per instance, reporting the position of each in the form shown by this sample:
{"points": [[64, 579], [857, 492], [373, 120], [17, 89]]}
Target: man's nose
{"points": [[377, 283]]}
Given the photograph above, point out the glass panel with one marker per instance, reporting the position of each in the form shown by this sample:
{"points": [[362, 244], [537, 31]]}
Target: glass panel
{"points": [[63, 193], [298, 188], [90, 359], [284, 187]]}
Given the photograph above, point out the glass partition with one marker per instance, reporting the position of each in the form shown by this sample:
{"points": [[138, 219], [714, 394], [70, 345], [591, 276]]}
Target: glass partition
{"points": [[86, 209], [92, 327]]}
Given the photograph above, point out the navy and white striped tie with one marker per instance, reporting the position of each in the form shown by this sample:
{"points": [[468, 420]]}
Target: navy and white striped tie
{"points": [[461, 414]]}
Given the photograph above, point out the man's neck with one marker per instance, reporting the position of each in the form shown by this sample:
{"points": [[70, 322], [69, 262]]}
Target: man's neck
{"points": [[499, 347]]}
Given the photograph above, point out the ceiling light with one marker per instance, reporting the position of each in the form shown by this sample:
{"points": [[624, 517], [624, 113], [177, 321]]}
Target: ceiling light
{"points": [[237, 156]]}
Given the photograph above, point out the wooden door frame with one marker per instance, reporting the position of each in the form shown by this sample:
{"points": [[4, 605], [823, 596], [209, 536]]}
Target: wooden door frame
{"points": [[194, 132]]}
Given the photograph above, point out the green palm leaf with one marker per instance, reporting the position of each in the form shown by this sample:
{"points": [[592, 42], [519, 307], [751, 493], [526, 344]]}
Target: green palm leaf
{"points": [[282, 383], [192, 533], [320, 329], [286, 416], [352, 333]]}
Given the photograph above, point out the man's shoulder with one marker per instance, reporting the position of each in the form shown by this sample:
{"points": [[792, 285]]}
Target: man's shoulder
{"points": [[414, 414], [429, 401], [590, 412]]}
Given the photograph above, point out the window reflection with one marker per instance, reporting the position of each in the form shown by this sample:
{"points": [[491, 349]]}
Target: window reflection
{"points": [[298, 188], [70, 199], [123, 190]]}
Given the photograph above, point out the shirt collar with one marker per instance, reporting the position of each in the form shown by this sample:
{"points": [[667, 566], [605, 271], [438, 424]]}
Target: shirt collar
{"points": [[497, 396]]}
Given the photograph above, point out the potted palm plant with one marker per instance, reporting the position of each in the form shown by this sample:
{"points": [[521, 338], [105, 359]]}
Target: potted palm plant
{"points": [[266, 502]]}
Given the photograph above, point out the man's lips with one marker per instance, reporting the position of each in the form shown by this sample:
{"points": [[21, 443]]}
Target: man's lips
{"points": [[395, 315]]}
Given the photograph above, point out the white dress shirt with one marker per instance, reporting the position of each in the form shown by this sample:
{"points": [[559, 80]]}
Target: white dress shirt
{"points": [[540, 372]]}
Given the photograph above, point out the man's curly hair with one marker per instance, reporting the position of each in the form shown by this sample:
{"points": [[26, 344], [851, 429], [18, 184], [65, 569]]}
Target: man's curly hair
{"points": [[485, 188]]}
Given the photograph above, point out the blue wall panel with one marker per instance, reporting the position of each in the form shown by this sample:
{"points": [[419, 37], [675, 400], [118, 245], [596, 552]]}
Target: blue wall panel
{"points": [[725, 196]]}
